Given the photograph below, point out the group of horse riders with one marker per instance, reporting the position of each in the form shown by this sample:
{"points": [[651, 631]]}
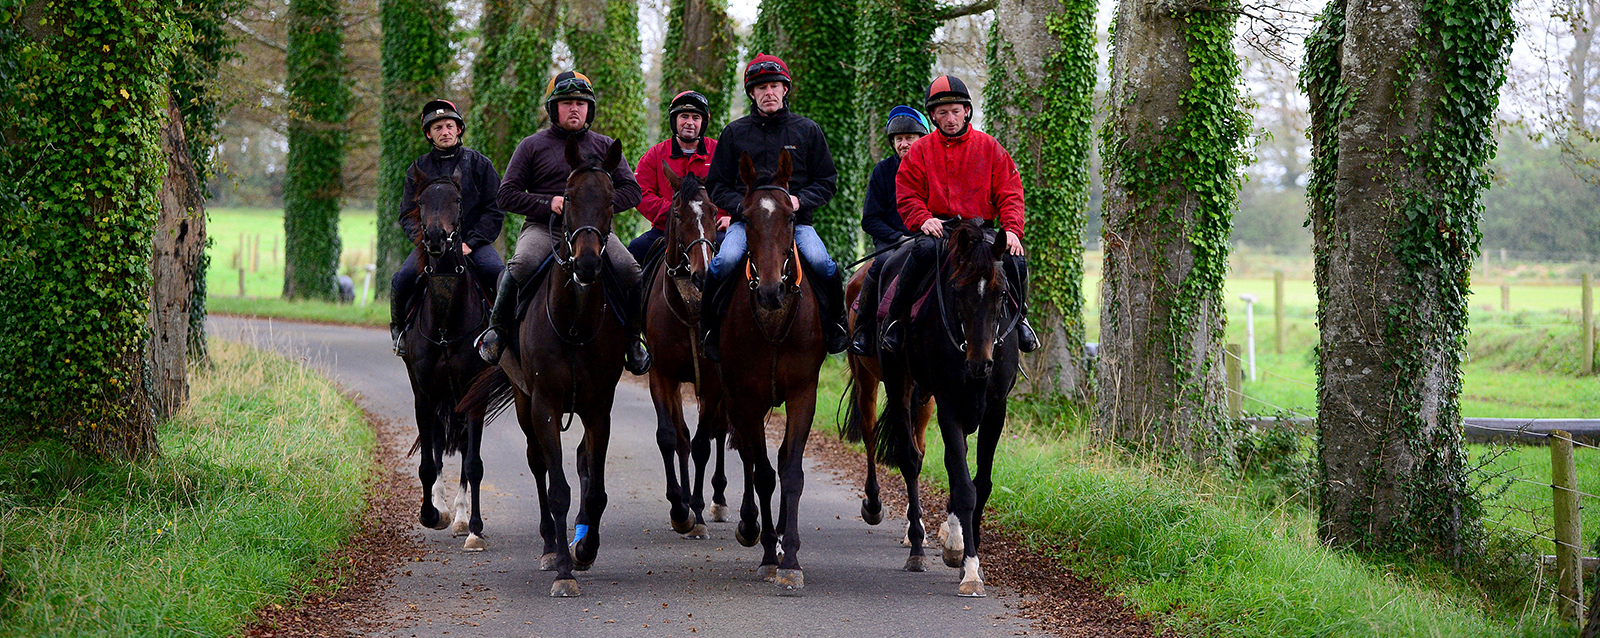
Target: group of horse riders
{"points": [[959, 172]]}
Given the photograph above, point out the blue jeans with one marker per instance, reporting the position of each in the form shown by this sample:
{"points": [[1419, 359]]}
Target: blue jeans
{"points": [[805, 238]]}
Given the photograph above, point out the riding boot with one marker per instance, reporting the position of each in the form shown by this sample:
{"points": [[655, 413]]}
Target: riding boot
{"points": [[911, 279], [397, 322], [638, 358], [833, 322], [492, 342], [1027, 339], [711, 317], [864, 339]]}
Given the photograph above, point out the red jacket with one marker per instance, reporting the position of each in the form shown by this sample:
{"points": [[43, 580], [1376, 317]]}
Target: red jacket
{"points": [[657, 201], [969, 175]]}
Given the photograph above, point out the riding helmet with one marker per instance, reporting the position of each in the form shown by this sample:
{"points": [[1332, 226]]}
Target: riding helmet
{"points": [[904, 120], [766, 68], [436, 110], [569, 85], [689, 102], [948, 89]]}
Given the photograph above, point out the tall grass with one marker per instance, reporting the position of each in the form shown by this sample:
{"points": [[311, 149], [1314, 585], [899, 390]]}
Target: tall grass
{"points": [[375, 313], [258, 477]]}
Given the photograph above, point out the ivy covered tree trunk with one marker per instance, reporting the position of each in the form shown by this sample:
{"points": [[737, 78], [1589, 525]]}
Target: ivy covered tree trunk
{"points": [[894, 62], [177, 244], [83, 88], [1039, 102], [698, 56], [604, 37], [816, 38], [319, 102], [1172, 157], [416, 64], [508, 78], [1400, 142]]}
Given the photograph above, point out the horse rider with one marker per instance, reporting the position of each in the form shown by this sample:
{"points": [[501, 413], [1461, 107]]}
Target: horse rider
{"points": [[534, 186], [687, 151], [481, 218], [959, 173], [880, 214], [769, 129]]}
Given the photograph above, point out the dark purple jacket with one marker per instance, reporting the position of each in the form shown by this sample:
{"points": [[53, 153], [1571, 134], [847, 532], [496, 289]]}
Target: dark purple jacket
{"points": [[538, 172]]}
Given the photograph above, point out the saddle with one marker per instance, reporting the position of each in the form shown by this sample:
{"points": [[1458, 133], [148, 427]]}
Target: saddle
{"points": [[419, 292], [608, 282]]}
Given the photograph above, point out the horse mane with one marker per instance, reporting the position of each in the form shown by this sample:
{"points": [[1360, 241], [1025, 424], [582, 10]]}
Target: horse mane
{"points": [[970, 254], [415, 216]]}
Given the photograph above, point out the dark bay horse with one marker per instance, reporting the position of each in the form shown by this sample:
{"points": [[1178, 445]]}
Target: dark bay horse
{"points": [[962, 349], [773, 344], [862, 426], [567, 359], [672, 317], [440, 359]]}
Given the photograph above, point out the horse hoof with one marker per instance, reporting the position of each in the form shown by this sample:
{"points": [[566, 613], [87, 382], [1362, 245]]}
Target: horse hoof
{"points": [[790, 582], [698, 533], [738, 535], [564, 588], [683, 526], [971, 589], [474, 543], [719, 513], [953, 556], [460, 527], [444, 520], [872, 517], [767, 572], [917, 563], [547, 562]]}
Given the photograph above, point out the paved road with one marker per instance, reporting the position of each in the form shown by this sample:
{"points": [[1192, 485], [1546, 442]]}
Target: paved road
{"points": [[647, 579]]}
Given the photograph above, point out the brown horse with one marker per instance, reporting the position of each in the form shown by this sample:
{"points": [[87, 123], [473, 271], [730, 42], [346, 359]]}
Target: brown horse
{"points": [[440, 360], [776, 330], [672, 318], [568, 358], [862, 426]]}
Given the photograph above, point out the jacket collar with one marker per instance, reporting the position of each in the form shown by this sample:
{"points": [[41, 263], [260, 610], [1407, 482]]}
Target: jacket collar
{"points": [[560, 133], [677, 150], [951, 140], [778, 117]]}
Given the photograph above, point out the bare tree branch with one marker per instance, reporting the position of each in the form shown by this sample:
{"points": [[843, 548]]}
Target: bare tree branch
{"points": [[260, 39], [951, 12]]}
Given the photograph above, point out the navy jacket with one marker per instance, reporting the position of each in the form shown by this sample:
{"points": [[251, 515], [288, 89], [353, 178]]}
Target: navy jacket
{"points": [[763, 137], [481, 219], [879, 215]]}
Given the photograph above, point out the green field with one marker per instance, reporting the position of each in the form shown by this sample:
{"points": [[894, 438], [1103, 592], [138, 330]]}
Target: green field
{"points": [[252, 239]]}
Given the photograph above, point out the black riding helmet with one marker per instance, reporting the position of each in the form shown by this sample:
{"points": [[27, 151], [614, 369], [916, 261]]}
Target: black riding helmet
{"points": [[689, 102], [948, 89], [436, 110], [569, 85]]}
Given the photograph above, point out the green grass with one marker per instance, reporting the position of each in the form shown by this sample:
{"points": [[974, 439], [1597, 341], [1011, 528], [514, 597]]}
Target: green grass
{"points": [[258, 231], [375, 313], [258, 477]]}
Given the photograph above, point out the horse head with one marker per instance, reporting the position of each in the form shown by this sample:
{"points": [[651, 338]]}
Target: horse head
{"points": [[977, 283], [691, 230], [438, 214], [587, 210], [769, 229]]}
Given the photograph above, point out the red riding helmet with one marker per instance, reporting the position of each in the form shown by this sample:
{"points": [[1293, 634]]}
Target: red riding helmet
{"points": [[766, 68]]}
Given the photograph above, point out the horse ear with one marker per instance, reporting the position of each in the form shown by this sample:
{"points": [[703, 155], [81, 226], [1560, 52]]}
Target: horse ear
{"points": [[785, 168], [416, 176], [672, 178], [613, 157], [1001, 245], [747, 171], [455, 175], [573, 158]]}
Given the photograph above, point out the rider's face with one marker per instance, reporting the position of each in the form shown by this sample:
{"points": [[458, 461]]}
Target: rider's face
{"points": [[687, 126], [444, 133], [903, 142], [769, 96], [950, 118], [572, 114]]}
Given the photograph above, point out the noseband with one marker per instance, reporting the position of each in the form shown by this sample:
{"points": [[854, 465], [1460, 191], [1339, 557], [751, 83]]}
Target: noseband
{"points": [[753, 274]]}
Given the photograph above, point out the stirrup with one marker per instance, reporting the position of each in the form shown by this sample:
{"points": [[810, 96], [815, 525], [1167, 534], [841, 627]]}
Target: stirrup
{"points": [[637, 360], [1027, 339], [889, 341], [398, 335], [862, 344]]}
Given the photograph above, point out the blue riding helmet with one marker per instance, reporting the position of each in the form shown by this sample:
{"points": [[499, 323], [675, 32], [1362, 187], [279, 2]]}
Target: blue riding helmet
{"points": [[906, 120]]}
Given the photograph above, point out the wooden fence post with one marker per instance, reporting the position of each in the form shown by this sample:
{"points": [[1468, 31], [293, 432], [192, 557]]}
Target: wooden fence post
{"points": [[1277, 310], [1235, 381], [241, 281], [1568, 526], [1505, 297], [1588, 324]]}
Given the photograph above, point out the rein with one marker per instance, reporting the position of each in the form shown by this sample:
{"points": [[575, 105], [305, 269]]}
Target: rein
{"points": [[939, 286]]}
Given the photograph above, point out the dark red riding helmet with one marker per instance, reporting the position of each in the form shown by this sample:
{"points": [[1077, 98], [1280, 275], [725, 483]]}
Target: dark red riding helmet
{"points": [[766, 68], [436, 110]]}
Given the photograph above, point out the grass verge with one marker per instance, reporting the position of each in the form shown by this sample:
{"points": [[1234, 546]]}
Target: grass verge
{"points": [[261, 474], [373, 314]]}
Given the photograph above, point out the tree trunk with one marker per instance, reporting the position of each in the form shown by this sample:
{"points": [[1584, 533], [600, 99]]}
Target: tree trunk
{"points": [[1171, 144], [1397, 169], [698, 56], [177, 246], [604, 37], [1039, 103], [1581, 21], [416, 63], [319, 97]]}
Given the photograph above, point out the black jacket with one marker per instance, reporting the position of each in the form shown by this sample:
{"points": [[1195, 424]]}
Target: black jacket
{"points": [[763, 137], [481, 219], [538, 172], [880, 215]]}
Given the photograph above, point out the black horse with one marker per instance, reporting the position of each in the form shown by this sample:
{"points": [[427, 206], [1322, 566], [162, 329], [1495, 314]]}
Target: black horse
{"points": [[961, 349], [567, 359], [672, 320], [440, 359]]}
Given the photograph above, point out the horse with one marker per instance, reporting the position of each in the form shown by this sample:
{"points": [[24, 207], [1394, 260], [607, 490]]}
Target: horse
{"points": [[776, 330], [961, 349], [861, 426], [567, 359], [440, 359], [672, 318]]}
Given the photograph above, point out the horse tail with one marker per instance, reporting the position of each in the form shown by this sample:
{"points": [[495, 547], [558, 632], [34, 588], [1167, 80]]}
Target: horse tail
{"points": [[488, 396], [850, 429], [893, 433]]}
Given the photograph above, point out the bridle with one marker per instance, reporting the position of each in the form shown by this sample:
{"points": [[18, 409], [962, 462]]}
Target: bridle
{"points": [[791, 276], [958, 334], [452, 241], [571, 235], [683, 268]]}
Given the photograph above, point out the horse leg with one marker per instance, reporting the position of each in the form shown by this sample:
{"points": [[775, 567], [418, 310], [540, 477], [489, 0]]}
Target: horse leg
{"points": [[866, 407], [700, 448], [959, 548], [989, 429], [664, 393], [429, 467], [460, 524], [719, 478], [472, 473], [540, 471], [800, 408], [597, 438], [548, 433]]}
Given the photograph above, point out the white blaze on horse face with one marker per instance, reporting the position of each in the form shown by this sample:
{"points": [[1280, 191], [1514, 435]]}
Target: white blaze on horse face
{"points": [[980, 288], [768, 206], [698, 208]]}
